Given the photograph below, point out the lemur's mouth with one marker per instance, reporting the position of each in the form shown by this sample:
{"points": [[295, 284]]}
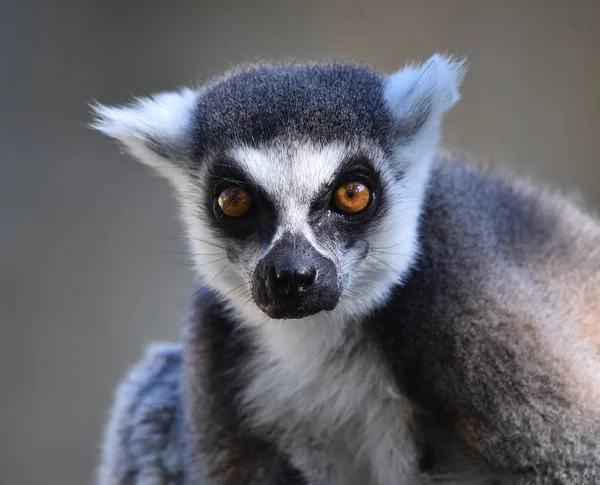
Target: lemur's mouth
{"points": [[291, 311]]}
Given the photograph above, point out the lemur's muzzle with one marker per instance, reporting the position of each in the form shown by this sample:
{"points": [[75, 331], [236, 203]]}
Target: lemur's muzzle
{"points": [[294, 280]]}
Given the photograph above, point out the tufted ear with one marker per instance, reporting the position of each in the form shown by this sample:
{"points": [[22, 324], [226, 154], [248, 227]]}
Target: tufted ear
{"points": [[155, 130], [420, 95]]}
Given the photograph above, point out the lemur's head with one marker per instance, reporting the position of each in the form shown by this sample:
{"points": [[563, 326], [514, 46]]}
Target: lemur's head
{"points": [[300, 184]]}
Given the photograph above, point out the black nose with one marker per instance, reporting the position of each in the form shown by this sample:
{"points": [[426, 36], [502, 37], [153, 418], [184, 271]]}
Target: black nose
{"points": [[294, 280], [290, 280]]}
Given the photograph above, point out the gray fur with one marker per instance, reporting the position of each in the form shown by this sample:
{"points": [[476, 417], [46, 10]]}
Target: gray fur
{"points": [[324, 103], [143, 442], [499, 319], [147, 401], [464, 346]]}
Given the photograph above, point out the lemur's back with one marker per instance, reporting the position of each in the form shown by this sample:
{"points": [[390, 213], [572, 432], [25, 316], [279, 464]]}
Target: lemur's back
{"points": [[501, 317]]}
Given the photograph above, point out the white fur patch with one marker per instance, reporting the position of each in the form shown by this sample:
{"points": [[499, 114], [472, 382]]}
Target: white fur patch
{"points": [[436, 81], [164, 119], [292, 175], [344, 413]]}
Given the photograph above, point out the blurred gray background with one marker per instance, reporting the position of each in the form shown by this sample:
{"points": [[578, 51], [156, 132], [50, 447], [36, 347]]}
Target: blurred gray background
{"points": [[88, 274]]}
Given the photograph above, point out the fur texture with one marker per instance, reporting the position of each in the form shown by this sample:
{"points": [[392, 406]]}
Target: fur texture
{"points": [[143, 442], [463, 346]]}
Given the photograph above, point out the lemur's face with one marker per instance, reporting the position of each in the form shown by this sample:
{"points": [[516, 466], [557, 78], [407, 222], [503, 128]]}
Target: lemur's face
{"points": [[300, 186], [303, 225]]}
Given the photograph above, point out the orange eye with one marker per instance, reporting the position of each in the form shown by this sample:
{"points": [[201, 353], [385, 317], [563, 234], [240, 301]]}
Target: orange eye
{"points": [[234, 201], [352, 198]]}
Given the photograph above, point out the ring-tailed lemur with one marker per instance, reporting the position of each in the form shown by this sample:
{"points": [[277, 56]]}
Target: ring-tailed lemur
{"points": [[362, 296]]}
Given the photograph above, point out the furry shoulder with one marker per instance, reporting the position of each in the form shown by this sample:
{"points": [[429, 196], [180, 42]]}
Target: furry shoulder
{"points": [[142, 442]]}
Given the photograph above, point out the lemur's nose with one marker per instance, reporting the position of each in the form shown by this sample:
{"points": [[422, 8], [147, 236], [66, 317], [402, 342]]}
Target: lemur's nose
{"points": [[292, 280]]}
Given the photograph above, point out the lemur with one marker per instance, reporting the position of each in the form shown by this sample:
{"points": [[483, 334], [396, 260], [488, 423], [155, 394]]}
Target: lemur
{"points": [[367, 302]]}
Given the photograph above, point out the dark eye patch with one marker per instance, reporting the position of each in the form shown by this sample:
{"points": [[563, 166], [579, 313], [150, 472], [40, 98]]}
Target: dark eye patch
{"points": [[331, 224], [259, 221], [355, 169]]}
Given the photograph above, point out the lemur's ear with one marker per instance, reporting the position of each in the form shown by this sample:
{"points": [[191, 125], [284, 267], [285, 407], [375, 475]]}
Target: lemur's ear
{"points": [[155, 130], [420, 95]]}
